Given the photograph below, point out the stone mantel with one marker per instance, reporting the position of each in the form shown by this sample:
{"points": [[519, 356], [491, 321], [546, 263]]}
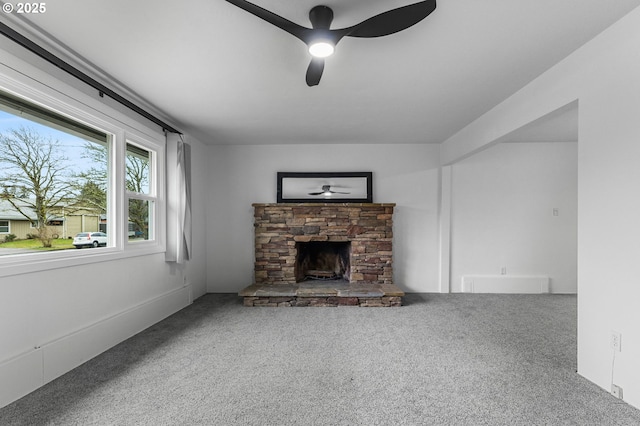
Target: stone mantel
{"points": [[323, 204]]}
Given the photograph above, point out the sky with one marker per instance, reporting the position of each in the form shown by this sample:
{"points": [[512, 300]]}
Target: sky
{"points": [[74, 146]]}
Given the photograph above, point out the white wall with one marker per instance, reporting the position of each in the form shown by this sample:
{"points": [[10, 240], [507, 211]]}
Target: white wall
{"points": [[196, 268], [502, 213], [603, 77], [403, 174], [55, 319]]}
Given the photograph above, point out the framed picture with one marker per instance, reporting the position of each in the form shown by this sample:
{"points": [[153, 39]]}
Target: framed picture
{"points": [[325, 187]]}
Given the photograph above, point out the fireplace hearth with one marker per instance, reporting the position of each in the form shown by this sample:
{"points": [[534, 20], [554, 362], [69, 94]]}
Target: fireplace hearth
{"points": [[314, 254]]}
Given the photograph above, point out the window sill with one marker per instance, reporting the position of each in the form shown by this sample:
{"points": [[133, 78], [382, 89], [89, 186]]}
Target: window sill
{"points": [[20, 264]]}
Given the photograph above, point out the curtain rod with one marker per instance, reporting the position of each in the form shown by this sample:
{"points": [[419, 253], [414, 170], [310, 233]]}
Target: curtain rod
{"points": [[102, 89]]}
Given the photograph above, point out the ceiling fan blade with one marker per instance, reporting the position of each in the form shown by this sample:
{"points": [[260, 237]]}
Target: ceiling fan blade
{"points": [[316, 193], [392, 21], [314, 72], [291, 27]]}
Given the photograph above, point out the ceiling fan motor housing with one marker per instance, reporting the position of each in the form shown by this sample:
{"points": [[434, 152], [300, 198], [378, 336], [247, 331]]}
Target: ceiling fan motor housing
{"points": [[321, 17]]}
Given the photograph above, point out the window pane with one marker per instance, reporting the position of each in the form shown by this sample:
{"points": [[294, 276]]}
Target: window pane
{"points": [[138, 162], [53, 177], [140, 219]]}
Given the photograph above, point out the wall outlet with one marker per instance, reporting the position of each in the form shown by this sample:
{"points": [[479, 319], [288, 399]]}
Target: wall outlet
{"points": [[616, 391], [616, 341]]}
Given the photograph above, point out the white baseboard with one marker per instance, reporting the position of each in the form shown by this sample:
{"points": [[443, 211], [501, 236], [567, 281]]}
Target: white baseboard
{"points": [[25, 373], [20, 375], [525, 284]]}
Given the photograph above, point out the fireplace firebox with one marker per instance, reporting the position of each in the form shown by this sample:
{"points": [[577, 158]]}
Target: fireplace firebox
{"points": [[323, 260]]}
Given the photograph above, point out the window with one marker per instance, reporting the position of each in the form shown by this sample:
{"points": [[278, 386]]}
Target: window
{"points": [[140, 192], [66, 173], [53, 173], [55, 222]]}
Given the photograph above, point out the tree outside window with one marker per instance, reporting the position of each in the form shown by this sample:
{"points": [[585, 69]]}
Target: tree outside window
{"points": [[35, 179], [138, 182]]}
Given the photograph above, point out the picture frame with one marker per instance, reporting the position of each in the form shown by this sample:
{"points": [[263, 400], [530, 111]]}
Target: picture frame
{"points": [[325, 187]]}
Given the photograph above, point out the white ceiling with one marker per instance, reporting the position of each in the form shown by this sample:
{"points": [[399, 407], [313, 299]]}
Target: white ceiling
{"points": [[227, 77]]}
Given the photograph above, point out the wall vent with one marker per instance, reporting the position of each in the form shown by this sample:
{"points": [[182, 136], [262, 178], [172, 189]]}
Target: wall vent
{"points": [[515, 284]]}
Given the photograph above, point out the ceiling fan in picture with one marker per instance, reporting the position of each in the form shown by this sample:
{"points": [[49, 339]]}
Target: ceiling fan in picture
{"points": [[322, 40], [326, 191]]}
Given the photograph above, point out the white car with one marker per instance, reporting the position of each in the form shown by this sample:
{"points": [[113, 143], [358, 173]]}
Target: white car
{"points": [[90, 239]]}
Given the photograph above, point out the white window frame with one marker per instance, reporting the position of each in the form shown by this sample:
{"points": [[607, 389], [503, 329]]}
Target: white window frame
{"points": [[8, 226], [38, 87], [156, 191]]}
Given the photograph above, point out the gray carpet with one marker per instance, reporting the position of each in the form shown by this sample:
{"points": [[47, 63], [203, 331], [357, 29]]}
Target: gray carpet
{"points": [[454, 359]]}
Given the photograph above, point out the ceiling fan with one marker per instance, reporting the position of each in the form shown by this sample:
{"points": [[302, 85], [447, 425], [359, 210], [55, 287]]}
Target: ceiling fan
{"points": [[322, 40], [326, 191]]}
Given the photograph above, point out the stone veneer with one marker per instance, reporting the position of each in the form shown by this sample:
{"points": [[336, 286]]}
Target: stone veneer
{"points": [[369, 228], [280, 227]]}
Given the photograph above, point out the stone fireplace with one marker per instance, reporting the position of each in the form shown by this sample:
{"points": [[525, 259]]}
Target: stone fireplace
{"points": [[323, 254]]}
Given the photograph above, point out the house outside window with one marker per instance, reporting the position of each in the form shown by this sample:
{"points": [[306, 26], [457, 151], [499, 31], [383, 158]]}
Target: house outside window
{"points": [[4, 227]]}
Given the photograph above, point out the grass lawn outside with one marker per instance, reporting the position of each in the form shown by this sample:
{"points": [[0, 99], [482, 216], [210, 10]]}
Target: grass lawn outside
{"points": [[35, 244]]}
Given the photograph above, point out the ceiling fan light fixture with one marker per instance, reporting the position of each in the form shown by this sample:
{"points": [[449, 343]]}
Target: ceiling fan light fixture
{"points": [[321, 49], [322, 40]]}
